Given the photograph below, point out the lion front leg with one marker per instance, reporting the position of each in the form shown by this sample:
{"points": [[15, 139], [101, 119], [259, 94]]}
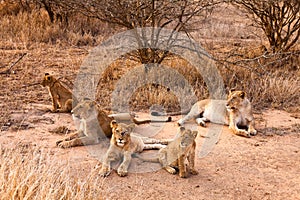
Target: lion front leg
{"points": [[72, 136], [182, 167], [55, 105], [233, 126], [106, 165], [238, 131], [82, 141], [251, 128], [191, 160], [123, 168]]}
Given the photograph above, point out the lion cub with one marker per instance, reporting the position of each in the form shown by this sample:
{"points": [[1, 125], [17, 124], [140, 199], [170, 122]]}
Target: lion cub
{"points": [[123, 144], [173, 156], [61, 96]]}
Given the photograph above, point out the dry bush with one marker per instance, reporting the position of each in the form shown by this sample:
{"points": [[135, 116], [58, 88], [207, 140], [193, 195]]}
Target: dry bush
{"points": [[34, 26], [157, 86], [29, 173], [268, 90], [267, 84], [244, 64]]}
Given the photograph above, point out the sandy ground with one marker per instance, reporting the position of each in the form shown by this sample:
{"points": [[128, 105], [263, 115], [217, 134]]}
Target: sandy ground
{"points": [[265, 166]]}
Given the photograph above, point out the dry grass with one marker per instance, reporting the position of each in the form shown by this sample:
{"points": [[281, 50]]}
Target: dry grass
{"points": [[21, 26], [28, 173], [50, 48]]}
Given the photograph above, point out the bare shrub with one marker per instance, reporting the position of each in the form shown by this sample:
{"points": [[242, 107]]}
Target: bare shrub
{"points": [[143, 97], [279, 19], [175, 15]]}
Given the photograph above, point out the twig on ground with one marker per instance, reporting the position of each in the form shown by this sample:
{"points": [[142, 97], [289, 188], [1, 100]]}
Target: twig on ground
{"points": [[8, 71]]}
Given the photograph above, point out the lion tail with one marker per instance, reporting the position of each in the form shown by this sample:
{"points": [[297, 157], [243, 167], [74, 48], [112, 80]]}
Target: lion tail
{"points": [[154, 159], [158, 113]]}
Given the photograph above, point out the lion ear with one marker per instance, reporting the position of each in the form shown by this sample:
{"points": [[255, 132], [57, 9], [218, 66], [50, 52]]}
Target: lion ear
{"points": [[113, 124], [231, 90], [47, 74], [181, 130], [131, 127], [48, 78], [195, 133], [242, 94]]}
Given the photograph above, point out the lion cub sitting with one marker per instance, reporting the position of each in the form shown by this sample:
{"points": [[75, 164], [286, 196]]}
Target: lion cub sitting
{"points": [[123, 144], [61, 96], [173, 156]]}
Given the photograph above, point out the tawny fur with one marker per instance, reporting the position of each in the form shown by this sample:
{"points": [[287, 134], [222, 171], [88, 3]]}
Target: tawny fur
{"points": [[94, 124], [61, 96], [123, 144], [173, 156], [236, 112]]}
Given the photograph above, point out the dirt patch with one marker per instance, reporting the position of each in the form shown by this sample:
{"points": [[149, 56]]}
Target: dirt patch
{"points": [[262, 167]]}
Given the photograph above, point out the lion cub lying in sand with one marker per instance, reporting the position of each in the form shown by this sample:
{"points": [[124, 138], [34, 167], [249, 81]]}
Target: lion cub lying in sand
{"points": [[123, 144], [173, 156]]}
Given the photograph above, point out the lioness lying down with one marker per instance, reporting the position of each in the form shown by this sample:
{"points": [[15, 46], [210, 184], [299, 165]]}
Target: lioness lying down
{"points": [[94, 124], [236, 112]]}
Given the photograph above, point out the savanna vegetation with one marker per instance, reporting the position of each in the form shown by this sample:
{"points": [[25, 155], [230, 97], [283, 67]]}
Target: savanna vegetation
{"points": [[254, 44]]}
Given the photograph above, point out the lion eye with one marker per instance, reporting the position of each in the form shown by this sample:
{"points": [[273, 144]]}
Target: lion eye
{"points": [[123, 133]]}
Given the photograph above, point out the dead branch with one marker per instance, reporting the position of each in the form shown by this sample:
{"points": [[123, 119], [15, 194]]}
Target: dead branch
{"points": [[8, 71], [29, 85]]}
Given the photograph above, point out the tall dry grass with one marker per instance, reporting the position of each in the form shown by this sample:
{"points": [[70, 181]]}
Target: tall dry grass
{"points": [[28, 172], [34, 26], [275, 85]]}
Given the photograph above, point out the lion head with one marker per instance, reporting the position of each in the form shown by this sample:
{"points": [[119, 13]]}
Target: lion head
{"points": [[187, 137], [121, 133], [235, 100], [85, 109], [48, 80]]}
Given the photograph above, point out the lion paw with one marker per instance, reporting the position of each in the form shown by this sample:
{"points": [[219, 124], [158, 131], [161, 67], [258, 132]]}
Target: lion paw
{"points": [[64, 144], [122, 173], [58, 142], [171, 170], [183, 174], [194, 172], [244, 133], [104, 172], [180, 122], [201, 122], [253, 132]]}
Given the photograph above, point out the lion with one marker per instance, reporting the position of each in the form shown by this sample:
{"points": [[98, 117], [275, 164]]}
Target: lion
{"points": [[123, 144], [173, 156], [62, 98], [236, 112], [94, 124]]}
